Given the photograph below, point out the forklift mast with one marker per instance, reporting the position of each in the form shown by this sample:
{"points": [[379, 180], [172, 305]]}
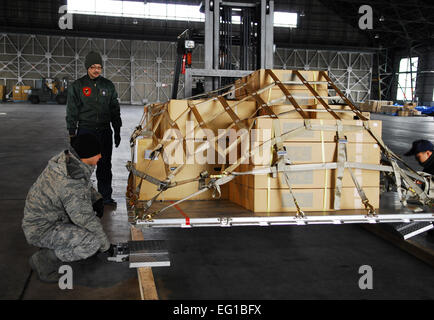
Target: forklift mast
{"points": [[184, 48]]}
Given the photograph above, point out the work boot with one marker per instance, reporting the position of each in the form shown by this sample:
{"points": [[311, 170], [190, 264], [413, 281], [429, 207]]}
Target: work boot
{"points": [[46, 265]]}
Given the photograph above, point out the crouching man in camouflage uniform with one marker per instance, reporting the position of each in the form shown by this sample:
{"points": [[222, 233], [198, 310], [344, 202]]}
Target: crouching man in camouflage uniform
{"points": [[60, 214]]}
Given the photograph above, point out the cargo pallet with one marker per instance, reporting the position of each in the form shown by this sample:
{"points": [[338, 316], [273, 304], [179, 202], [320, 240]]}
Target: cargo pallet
{"points": [[192, 213]]}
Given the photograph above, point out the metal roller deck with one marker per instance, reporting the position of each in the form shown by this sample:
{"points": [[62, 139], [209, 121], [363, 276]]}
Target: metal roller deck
{"points": [[226, 214]]}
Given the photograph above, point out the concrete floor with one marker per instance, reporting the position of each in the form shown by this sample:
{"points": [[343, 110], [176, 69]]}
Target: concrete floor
{"points": [[282, 262]]}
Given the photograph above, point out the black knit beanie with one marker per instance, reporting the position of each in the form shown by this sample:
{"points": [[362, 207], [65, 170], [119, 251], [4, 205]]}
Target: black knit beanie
{"points": [[86, 145], [92, 58]]}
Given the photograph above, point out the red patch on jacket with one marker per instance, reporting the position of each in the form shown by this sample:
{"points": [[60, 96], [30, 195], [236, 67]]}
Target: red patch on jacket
{"points": [[87, 91]]}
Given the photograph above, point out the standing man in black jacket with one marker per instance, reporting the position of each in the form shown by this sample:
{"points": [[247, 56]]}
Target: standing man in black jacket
{"points": [[92, 106]]}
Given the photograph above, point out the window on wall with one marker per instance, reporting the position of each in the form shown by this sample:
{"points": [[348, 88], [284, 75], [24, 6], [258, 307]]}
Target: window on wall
{"points": [[407, 79], [285, 19]]}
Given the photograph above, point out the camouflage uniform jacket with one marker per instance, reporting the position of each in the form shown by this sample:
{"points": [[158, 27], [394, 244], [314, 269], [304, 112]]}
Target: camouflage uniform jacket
{"points": [[63, 193]]}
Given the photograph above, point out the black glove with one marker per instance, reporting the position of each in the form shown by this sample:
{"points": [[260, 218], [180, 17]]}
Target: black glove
{"points": [[117, 137], [72, 134], [98, 207]]}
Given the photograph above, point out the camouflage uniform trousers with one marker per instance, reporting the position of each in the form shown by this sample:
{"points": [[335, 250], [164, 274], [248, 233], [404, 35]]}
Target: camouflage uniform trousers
{"points": [[70, 242]]}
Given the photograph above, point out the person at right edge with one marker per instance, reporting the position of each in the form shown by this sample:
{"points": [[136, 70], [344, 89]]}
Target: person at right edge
{"points": [[423, 151], [91, 106]]}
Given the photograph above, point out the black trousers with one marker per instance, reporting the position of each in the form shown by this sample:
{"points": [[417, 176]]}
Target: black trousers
{"points": [[104, 166]]}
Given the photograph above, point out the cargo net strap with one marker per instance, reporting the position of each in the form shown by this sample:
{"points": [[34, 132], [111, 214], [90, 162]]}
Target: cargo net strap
{"points": [[155, 115]]}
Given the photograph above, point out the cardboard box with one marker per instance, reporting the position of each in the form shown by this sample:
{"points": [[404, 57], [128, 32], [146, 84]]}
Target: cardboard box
{"points": [[25, 90], [390, 109], [259, 79], [20, 93], [180, 113], [368, 106], [302, 96], [17, 93], [264, 130], [2, 92], [287, 111], [314, 190], [374, 105], [279, 200], [410, 105]]}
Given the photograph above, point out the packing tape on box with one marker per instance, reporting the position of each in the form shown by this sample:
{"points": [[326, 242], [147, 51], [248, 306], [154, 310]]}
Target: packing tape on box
{"points": [[268, 176]]}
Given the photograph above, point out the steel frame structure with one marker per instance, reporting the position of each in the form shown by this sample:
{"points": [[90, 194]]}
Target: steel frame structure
{"points": [[350, 71], [217, 24], [385, 76], [142, 71]]}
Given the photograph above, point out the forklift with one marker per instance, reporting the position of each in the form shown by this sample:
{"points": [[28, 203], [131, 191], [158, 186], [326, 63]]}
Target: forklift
{"points": [[184, 49], [49, 90]]}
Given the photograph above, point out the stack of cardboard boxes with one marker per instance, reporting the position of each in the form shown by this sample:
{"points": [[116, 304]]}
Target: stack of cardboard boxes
{"points": [[313, 189], [392, 110], [259, 79], [179, 112], [2, 93], [403, 111], [376, 106], [408, 110]]}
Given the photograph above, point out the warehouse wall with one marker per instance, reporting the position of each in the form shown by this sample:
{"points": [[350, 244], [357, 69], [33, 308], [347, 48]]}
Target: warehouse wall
{"points": [[425, 78], [351, 71], [142, 71]]}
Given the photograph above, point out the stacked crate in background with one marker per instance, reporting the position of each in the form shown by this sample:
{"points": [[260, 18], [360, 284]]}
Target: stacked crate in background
{"points": [[376, 106], [20, 93], [408, 110]]}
